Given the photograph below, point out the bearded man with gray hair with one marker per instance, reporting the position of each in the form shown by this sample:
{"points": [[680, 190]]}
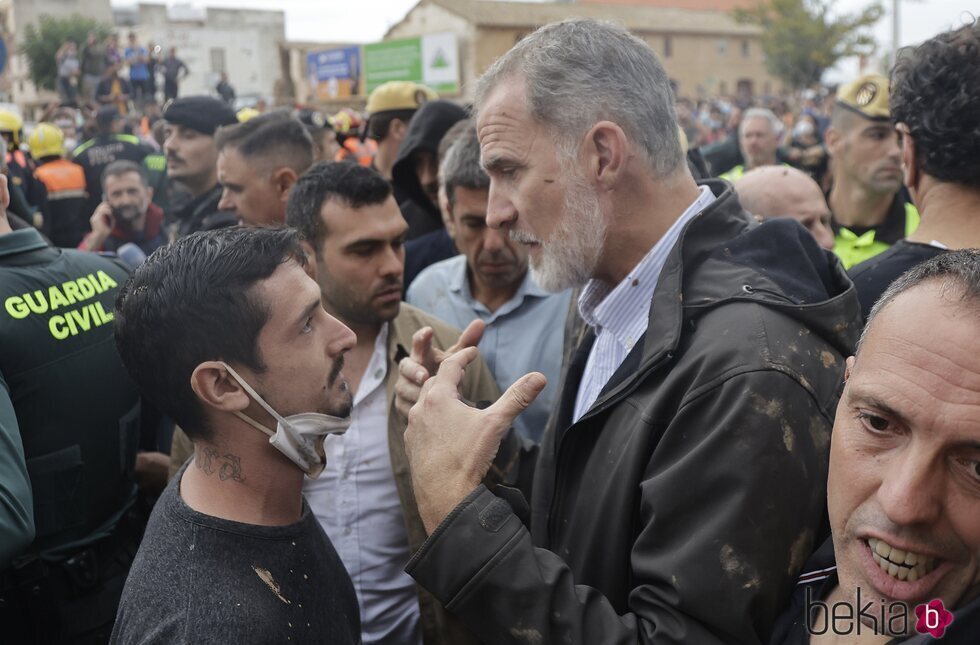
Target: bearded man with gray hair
{"points": [[679, 485]]}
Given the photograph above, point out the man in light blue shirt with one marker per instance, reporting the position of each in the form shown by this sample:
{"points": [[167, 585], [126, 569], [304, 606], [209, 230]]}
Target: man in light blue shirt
{"points": [[490, 280]]}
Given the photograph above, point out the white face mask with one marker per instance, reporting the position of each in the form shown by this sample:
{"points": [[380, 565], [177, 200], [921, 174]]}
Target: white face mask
{"points": [[299, 436]]}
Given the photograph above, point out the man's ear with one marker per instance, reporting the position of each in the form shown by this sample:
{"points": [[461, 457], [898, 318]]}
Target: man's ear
{"points": [[310, 267], [448, 218], [217, 388], [831, 139], [283, 180], [397, 129], [848, 366], [910, 164], [608, 151]]}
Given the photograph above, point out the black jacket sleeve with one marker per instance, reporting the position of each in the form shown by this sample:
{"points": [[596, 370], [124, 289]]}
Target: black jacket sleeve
{"points": [[729, 503]]}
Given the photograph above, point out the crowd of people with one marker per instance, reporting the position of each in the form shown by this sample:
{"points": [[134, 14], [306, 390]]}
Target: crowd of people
{"points": [[555, 367]]}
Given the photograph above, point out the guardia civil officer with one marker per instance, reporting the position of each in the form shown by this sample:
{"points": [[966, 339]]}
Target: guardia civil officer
{"points": [[69, 432]]}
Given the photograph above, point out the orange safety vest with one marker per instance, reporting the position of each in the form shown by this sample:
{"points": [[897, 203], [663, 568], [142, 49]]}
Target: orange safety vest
{"points": [[63, 179], [353, 149]]}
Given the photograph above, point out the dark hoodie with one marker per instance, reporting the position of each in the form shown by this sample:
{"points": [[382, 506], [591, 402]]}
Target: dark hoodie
{"points": [[426, 129], [682, 505]]}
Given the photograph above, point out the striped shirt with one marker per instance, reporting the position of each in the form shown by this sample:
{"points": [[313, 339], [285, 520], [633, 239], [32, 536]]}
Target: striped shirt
{"points": [[620, 315]]}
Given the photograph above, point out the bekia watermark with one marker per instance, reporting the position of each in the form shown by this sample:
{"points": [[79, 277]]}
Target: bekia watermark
{"points": [[874, 616]]}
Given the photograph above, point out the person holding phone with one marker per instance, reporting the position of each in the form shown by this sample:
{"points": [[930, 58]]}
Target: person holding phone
{"points": [[127, 214]]}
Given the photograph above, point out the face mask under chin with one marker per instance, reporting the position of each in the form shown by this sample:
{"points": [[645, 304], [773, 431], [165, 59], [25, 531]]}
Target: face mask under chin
{"points": [[299, 437]]}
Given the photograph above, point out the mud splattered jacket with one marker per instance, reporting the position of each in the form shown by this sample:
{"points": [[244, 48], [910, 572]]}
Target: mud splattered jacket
{"points": [[681, 507]]}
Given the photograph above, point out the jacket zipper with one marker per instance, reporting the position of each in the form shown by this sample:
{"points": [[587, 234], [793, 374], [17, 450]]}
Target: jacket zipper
{"points": [[565, 439]]}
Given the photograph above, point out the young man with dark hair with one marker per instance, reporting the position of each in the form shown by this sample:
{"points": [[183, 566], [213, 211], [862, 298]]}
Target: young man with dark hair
{"points": [[259, 162], [934, 93], [127, 215], [232, 551], [353, 233]]}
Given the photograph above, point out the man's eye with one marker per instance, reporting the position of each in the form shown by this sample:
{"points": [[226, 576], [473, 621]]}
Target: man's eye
{"points": [[308, 327], [873, 422]]}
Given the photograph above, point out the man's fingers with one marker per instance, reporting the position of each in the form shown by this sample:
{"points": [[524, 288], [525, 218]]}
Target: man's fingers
{"points": [[421, 345], [413, 371], [470, 337], [452, 369], [518, 396]]}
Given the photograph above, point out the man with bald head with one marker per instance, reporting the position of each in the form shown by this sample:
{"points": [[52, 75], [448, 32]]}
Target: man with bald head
{"points": [[784, 191]]}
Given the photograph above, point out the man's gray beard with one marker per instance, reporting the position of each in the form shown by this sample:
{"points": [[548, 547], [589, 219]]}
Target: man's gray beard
{"points": [[570, 258]]}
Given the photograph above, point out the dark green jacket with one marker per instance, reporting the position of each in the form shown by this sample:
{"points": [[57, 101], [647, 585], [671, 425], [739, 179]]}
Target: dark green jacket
{"points": [[75, 405]]}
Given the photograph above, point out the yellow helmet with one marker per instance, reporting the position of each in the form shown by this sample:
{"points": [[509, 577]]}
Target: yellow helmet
{"points": [[11, 122], [247, 113], [46, 140]]}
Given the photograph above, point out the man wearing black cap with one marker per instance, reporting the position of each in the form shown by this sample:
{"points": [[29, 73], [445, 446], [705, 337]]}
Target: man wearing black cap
{"points": [[108, 145], [192, 162]]}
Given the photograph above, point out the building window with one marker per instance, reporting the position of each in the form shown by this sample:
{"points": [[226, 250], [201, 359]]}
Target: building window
{"points": [[723, 47], [745, 49], [722, 88], [218, 60], [668, 46]]}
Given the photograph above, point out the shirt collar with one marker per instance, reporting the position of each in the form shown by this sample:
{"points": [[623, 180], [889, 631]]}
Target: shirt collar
{"points": [[624, 310], [459, 283], [21, 241]]}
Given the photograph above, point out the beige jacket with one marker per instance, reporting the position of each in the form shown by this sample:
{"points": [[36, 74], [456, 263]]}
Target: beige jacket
{"points": [[438, 627]]}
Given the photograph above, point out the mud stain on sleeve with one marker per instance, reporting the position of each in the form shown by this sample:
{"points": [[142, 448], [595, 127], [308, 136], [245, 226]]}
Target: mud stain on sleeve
{"points": [[740, 572], [269, 581], [529, 636]]}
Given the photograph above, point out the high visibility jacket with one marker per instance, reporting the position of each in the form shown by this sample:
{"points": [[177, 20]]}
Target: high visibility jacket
{"points": [[65, 182], [353, 149], [853, 248]]}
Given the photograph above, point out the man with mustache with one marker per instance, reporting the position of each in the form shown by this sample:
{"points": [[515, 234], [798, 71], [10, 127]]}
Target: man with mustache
{"points": [[243, 356], [903, 491], [679, 485], [490, 281], [192, 162], [871, 209], [354, 235], [128, 215]]}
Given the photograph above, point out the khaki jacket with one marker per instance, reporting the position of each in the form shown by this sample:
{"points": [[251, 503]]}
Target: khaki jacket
{"points": [[438, 627]]}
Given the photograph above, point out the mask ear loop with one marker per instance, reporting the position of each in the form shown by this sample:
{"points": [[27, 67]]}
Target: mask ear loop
{"points": [[258, 399]]}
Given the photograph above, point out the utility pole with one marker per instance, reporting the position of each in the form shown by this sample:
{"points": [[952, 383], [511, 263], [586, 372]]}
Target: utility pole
{"points": [[896, 22]]}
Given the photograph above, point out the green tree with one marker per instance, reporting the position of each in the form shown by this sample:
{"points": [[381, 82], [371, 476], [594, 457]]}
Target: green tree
{"points": [[41, 43], [802, 38]]}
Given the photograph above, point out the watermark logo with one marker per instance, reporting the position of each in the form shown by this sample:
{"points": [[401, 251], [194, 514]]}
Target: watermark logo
{"points": [[871, 616], [933, 618]]}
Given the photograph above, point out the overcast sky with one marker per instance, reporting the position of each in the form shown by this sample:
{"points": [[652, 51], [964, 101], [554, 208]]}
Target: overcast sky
{"points": [[367, 20]]}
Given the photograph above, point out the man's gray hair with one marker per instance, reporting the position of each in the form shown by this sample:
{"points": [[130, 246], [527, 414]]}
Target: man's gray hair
{"points": [[461, 167], [581, 71], [761, 113], [958, 273]]}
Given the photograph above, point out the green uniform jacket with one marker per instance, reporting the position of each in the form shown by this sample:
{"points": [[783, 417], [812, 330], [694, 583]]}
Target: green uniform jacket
{"points": [[75, 405], [438, 627]]}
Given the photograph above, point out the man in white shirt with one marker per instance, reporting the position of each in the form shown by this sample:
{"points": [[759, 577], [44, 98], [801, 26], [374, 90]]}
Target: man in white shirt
{"points": [[354, 235]]}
